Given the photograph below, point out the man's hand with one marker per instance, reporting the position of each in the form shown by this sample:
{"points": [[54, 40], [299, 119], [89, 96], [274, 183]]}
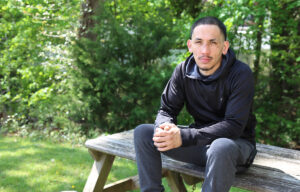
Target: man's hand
{"points": [[167, 137]]}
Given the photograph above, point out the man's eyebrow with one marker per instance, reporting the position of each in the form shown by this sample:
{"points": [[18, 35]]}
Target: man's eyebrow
{"points": [[199, 39]]}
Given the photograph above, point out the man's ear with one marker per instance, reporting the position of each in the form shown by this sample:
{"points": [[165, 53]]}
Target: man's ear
{"points": [[189, 45], [226, 47]]}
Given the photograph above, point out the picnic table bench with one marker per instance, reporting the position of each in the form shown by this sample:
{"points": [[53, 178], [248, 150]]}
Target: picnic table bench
{"points": [[274, 168]]}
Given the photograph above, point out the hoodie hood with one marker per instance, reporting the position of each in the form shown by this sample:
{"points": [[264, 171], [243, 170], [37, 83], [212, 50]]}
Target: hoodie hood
{"points": [[192, 70]]}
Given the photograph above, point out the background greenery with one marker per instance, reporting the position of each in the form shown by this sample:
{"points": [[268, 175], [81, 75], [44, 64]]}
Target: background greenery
{"points": [[75, 69]]}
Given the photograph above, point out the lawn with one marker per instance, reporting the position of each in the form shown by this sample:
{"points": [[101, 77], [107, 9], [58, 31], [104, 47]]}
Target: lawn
{"points": [[28, 165], [35, 165]]}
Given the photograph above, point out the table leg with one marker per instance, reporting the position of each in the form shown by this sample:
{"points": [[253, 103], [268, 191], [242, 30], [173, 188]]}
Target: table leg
{"points": [[175, 181], [100, 170]]}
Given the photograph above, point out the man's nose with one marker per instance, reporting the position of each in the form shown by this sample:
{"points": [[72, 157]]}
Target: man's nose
{"points": [[205, 48]]}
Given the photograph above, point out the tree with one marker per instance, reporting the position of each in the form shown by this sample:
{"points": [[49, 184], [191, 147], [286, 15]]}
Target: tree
{"points": [[120, 72], [34, 64], [285, 74]]}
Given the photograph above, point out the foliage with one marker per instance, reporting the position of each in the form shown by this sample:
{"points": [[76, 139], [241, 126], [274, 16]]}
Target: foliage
{"points": [[34, 61], [283, 104], [120, 73]]}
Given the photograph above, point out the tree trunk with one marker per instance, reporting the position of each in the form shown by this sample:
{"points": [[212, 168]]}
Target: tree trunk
{"points": [[88, 8], [258, 47]]}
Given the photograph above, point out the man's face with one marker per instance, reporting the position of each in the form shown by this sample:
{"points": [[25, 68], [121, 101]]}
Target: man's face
{"points": [[208, 45]]}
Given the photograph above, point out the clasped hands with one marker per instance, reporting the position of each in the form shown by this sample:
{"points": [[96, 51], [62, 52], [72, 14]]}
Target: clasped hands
{"points": [[167, 136]]}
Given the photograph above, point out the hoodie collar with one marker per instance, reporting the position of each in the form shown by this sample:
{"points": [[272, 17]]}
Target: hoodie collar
{"points": [[192, 70]]}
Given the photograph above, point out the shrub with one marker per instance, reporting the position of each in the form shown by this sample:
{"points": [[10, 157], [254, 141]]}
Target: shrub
{"points": [[120, 74]]}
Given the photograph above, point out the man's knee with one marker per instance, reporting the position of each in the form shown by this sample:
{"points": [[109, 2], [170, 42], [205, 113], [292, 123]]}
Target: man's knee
{"points": [[143, 132], [223, 148]]}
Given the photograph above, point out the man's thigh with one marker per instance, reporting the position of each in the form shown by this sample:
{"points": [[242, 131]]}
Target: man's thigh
{"points": [[198, 154], [191, 154], [236, 151]]}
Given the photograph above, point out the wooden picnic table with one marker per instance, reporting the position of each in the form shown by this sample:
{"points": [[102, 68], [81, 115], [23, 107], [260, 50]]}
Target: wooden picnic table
{"points": [[274, 169]]}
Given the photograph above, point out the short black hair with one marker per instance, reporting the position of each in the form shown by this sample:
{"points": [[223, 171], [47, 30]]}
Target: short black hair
{"points": [[210, 21]]}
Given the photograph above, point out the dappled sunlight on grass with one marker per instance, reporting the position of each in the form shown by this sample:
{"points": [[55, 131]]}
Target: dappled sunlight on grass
{"points": [[42, 166]]}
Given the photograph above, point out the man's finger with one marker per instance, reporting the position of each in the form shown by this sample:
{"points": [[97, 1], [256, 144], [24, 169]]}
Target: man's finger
{"points": [[160, 145], [161, 139], [166, 126], [158, 139], [163, 148], [158, 129], [160, 134]]}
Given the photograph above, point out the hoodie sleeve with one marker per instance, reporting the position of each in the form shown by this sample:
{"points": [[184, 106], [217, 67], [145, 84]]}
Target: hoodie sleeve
{"points": [[237, 112], [172, 99]]}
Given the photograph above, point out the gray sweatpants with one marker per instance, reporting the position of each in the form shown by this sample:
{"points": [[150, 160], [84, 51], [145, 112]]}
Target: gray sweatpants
{"points": [[222, 159]]}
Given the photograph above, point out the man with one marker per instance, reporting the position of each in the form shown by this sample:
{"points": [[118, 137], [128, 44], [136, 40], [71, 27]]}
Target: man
{"points": [[217, 90]]}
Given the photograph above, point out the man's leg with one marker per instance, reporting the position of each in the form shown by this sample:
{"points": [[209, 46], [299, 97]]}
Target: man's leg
{"points": [[148, 159], [223, 157]]}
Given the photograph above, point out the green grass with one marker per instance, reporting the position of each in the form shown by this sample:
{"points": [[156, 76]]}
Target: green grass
{"points": [[29, 165]]}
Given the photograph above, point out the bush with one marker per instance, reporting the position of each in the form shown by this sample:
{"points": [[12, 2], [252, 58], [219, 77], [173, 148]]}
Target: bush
{"points": [[34, 63], [120, 74]]}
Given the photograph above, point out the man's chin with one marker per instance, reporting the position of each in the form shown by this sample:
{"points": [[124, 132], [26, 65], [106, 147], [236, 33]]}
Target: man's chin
{"points": [[206, 68]]}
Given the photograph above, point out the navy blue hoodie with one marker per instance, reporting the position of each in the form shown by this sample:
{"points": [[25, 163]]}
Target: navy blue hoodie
{"points": [[221, 104]]}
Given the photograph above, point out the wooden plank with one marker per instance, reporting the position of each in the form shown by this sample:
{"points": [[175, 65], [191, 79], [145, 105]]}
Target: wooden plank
{"points": [[99, 172], [130, 183], [175, 182], [266, 179], [274, 168], [278, 151]]}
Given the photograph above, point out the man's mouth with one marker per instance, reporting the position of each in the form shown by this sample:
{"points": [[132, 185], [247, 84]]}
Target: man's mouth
{"points": [[205, 59]]}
